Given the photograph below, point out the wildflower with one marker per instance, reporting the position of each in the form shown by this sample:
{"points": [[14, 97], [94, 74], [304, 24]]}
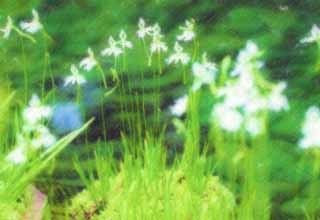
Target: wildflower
{"points": [[35, 112], [238, 94], [310, 129], [17, 156], [228, 118], [75, 77], [255, 102], [180, 106], [123, 40], [7, 28], [157, 45], [42, 137], [89, 62], [204, 73], [246, 60], [178, 55], [32, 26], [254, 126], [314, 35], [143, 29], [113, 49], [187, 31], [249, 52], [278, 101]]}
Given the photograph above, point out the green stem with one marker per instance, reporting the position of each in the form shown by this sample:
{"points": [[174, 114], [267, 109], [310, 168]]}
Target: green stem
{"points": [[78, 94], [22, 34], [102, 75], [25, 73]]}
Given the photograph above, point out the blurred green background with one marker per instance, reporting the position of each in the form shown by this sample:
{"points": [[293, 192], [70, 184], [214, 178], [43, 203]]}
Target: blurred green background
{"points": [[223, 28]]}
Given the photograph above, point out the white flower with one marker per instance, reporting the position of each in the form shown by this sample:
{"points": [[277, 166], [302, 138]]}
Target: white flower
{"points": [[157, 45], [311, 128], [42, 137], [143, 29], [187, 31], [278, 101], [88, 62], [178, 55], [156, 30], [314, 35], [246, 60], [180, 106], [249, 52], [113, 49], [123, 40], [7, 28], [35, 112], [32, 26], [254, 103], [75, 77], [240, 93], [253, 126], [204, 73], [228, 118], [17, 156]]}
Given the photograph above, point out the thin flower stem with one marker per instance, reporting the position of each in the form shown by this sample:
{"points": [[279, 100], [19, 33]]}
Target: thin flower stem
{"points": [[145, 50], [22, 34], [195, 50], [47, 36], [159, 63], [318, 57], [78, 94], [44, 76], [25, 73], [120, 91], [102, 75], [103, 121], [184, 75]]}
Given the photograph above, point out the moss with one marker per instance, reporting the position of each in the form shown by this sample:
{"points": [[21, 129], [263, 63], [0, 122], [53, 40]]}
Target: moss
{"points": [[11, 211], [84, 206], [171, 196]]}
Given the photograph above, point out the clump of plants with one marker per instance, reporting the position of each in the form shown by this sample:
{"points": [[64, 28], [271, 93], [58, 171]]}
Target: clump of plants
{"points": [[223, 173]]}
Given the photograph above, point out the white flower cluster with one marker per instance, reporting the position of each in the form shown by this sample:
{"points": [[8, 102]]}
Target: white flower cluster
{"points": [[117, 48], [179, 56], [32, 26], [157, 44], [188, 32], [204, 73], [246, 95], [34, 134], [310, 129]]}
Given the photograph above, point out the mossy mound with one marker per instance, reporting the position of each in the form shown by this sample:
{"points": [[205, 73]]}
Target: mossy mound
{"points": [[12, 211], [168, 196]]}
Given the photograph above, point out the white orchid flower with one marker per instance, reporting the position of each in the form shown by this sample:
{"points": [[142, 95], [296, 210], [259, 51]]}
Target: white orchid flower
{"points": [[32, 26], [75, 77]]}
